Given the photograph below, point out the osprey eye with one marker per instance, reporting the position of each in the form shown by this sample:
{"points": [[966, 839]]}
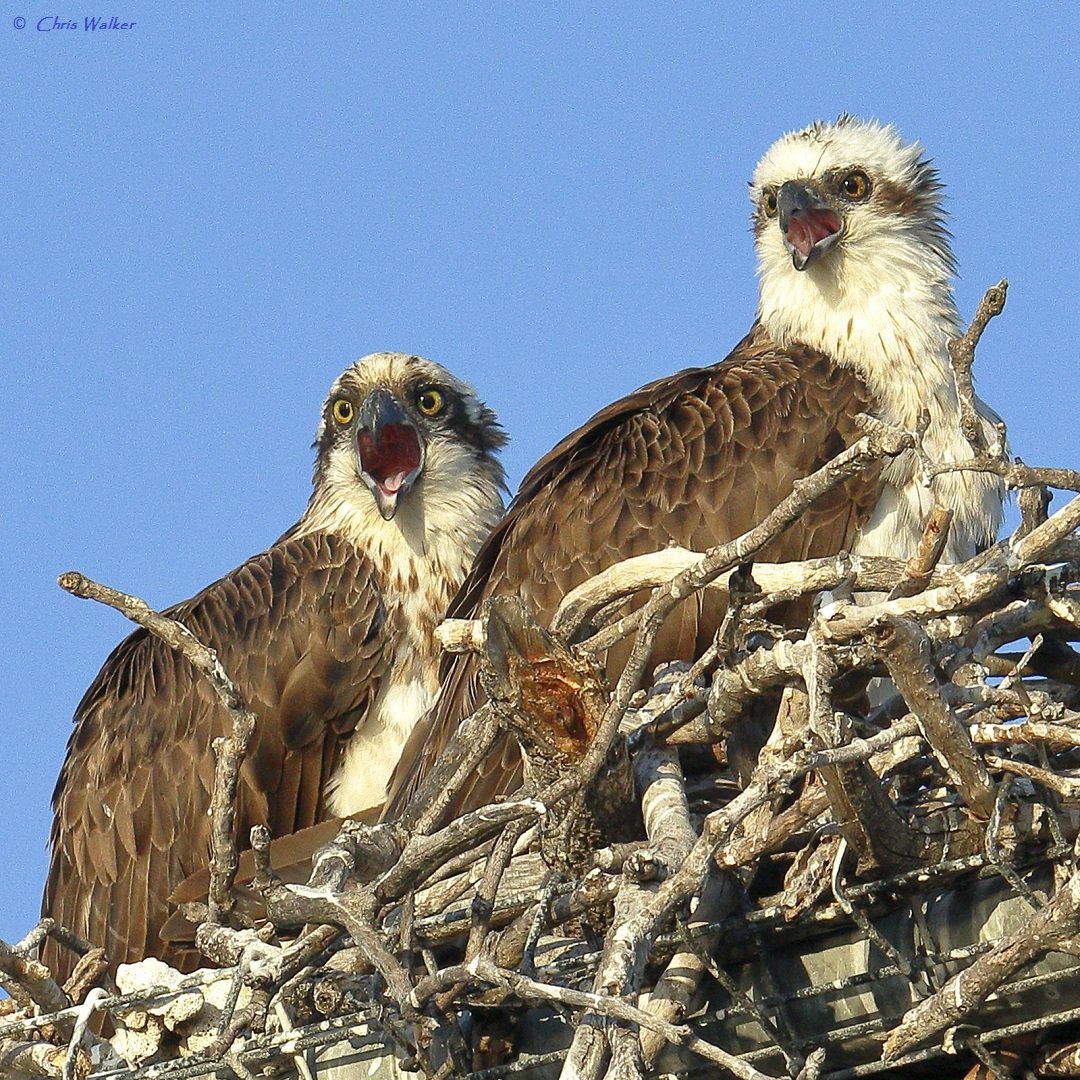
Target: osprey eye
{"points": [[343, 411], [769, 204], [430, 402], [856, 185]]}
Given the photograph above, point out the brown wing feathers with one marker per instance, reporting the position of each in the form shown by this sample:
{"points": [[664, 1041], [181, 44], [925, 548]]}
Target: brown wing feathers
{"points": [[694, 460], [296, 627]]}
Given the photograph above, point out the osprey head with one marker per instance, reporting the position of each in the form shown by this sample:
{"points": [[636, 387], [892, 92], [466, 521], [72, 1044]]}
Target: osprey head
{"points": [[849, 231], [845, 187], [392, 420]]}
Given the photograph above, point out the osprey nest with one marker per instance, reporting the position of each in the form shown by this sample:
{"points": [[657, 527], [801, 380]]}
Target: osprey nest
{"points": [[839, 851]]}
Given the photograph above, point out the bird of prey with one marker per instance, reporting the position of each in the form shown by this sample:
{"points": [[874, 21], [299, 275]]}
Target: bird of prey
{"points": [[329, 635], [856, 308]]}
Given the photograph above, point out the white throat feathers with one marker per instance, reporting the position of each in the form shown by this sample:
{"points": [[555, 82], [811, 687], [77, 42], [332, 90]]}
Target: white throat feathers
{"points": [[876, 295], [422, 551]]}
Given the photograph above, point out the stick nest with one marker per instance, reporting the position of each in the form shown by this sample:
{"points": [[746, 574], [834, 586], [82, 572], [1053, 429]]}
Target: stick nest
{"points": [[833, 849]]}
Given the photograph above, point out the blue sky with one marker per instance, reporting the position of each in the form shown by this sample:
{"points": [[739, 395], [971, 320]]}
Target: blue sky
{"points": [[208, 215]]}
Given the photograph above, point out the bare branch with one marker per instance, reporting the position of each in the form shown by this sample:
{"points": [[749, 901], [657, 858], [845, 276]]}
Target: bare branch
{"points": [[920, 567], [975, 581], [962, 354], [909, 660], [626, 578], [451, 772], [229, 752], [38, 1059], [30, 979], [1051, 928], [417, 926]]}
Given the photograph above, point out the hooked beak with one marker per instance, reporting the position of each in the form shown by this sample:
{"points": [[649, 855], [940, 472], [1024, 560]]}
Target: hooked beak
{"points": [[810, 227], [390, 452]]}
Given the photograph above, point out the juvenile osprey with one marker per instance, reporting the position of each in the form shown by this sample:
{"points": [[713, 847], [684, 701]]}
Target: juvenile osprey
{"points": [[855, 310], [329, 635]]}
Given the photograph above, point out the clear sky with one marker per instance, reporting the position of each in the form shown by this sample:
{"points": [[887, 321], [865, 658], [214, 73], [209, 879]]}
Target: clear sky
{"points": [[208, 215]]}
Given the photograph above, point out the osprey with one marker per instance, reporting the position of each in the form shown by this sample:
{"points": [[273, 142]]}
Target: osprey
{"points": [[855, 311], [329, 635]]}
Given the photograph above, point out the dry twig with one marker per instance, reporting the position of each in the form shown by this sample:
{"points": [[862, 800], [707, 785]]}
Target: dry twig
{"points": [[229, 752], [739, 869]]}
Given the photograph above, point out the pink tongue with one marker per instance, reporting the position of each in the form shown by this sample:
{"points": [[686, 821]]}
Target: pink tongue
{"points": [[396, 455], [393, 482], [808, 227]]}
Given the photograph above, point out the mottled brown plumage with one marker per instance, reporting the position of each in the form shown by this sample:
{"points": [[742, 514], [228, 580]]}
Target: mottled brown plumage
{"points": [[855, 311], [145, 726], [329, 636], [694, 459]]}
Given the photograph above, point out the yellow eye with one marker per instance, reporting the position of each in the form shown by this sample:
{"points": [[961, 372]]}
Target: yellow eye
{"points": [[343, 411], [856, 185], [430, 402], [769, 204]]}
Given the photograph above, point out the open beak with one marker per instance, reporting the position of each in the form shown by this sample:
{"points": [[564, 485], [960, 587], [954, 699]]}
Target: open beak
{"points": [[810, 227], [389, 450]]}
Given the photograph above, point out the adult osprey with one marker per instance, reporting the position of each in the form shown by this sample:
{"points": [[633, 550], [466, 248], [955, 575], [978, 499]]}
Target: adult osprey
{"points": [[329, 635], [855, 310]]}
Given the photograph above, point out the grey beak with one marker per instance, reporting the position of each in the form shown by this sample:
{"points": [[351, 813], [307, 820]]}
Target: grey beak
{"points": [[810, 226], [792, 198], [389, 449]]}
